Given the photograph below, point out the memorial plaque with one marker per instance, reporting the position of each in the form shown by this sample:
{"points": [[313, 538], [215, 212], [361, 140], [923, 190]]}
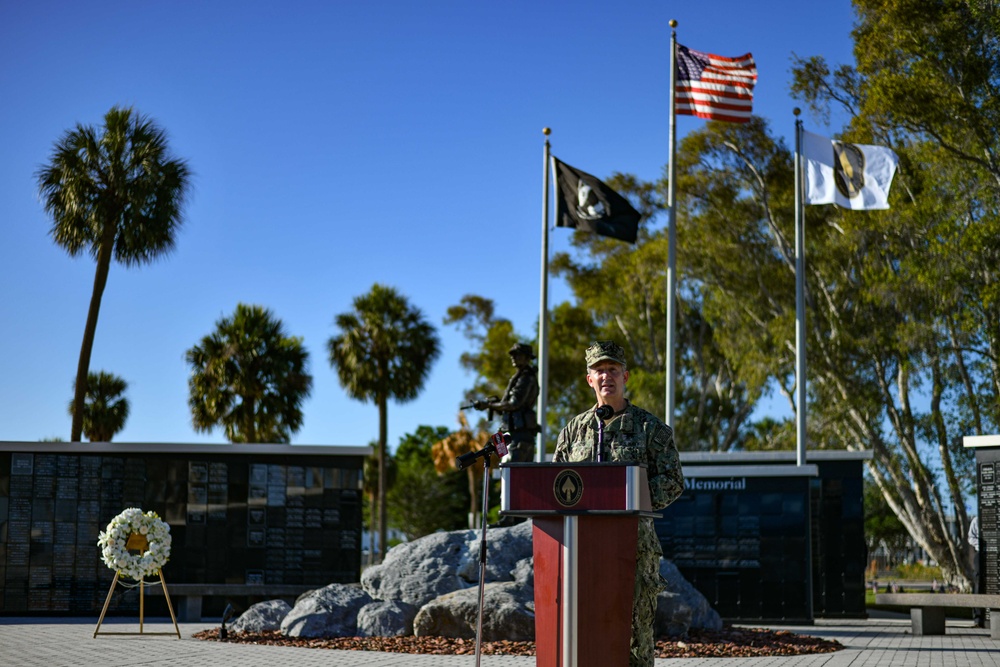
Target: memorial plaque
{"points": [[256, 538], [66, 488], [989, 530], [22, 464], [46, 465]]}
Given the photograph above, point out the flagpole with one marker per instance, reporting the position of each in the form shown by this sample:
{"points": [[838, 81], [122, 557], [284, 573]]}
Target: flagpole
{"points": [[543, 314], [800, 301], [671, 370]]}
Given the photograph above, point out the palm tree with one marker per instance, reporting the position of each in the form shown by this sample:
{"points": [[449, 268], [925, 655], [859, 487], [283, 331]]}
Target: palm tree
{"points": [[117, 193], [249, 377], [385, 350], [105, 408]]}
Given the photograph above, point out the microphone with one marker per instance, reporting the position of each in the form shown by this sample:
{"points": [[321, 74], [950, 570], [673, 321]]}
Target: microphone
{"points": [[497, 444], [604, 412]]}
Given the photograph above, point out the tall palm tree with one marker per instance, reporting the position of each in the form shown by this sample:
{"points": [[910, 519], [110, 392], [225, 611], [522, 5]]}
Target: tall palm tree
{"points": [[385, 350], [105, 408], [117, 193], [249, 377]]}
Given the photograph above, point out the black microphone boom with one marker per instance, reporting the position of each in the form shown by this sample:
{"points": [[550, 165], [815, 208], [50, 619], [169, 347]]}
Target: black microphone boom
{"points": [[497, 445]]}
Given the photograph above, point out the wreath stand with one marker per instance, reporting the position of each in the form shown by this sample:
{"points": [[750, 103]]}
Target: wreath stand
{"points": [[139, 542]]}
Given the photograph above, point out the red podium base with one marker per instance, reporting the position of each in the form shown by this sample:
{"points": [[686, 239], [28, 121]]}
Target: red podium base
{"points": [[584, 579], [585, 531]]}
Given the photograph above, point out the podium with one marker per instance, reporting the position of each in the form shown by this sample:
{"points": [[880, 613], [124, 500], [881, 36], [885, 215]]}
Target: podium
{"points": [[585, 530]]}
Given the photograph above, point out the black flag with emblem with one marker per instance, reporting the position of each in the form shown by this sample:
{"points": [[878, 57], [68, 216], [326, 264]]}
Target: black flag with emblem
{"points": [[585, 202]]}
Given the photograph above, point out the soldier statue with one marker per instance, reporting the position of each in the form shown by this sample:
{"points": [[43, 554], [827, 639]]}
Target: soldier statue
{"points": [[517, 406]]}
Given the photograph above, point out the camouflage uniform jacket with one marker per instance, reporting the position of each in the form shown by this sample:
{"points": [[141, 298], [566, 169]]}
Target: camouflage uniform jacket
{"points": [[634, 435]]}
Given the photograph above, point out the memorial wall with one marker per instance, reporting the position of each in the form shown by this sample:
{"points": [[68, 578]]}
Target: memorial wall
{"points": [[765, 540], [272, 514]]}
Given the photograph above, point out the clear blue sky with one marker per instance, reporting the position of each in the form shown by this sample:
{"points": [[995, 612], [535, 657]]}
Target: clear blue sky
{"points": [[335, 145]]}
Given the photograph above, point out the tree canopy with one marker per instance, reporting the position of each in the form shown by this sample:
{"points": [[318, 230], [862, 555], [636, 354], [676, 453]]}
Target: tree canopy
{"points": [[902, 305], [249, 377], [105, 407]]}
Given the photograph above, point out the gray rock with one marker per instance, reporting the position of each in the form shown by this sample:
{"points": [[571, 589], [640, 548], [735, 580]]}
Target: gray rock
{"points": [[524, 572], [420, 571], [386, 619], [262, 617], [326, 612], [682, 604], [508, 613], [438, 575], [673, 615]]}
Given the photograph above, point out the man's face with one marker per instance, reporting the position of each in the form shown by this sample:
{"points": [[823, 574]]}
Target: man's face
{"points": [[519, 359], [607, 379]]}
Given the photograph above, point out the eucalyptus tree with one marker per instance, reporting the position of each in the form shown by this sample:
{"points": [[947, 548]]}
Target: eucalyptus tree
{"points": [[928, 372], [385, 350], [249, 377], [105, 407], [621, 290], [117, 193]]}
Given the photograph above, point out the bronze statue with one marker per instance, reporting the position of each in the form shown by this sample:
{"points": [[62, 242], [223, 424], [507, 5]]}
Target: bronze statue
{"points": [[517, 406]]}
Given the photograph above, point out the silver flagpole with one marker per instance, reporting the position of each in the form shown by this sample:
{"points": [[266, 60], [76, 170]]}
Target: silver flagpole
{"points": [[671, 370], [800, 301], [543, 314]]}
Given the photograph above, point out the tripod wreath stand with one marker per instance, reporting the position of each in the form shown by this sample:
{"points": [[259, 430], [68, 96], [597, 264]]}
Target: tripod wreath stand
{"points": [[138, 542]]}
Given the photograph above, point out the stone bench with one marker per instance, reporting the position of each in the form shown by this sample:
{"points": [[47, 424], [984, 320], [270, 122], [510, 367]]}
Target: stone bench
{"points": [[927, 609], [188, 597]]}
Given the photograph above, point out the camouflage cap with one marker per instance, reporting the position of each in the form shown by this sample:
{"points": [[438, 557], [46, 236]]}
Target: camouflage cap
{"points": [[522, 348], [605, 350]]}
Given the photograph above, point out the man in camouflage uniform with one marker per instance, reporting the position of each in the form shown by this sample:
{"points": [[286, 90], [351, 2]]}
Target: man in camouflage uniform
{"points": [[630, 434], [518, 405]]}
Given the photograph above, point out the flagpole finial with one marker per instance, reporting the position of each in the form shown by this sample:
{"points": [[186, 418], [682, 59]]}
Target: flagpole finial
{"points": [[546, 131], [673, 23], [796, 111]]}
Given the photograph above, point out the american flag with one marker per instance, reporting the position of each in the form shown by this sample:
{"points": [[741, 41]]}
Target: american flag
{"points": [[714, 87]]}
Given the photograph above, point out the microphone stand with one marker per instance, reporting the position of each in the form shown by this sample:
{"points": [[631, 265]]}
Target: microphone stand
{"points": [[603, 412], [600, 440], [482, 556]]}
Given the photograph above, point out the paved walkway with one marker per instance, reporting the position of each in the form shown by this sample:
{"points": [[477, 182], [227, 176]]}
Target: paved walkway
{"points": [[46, 642]]}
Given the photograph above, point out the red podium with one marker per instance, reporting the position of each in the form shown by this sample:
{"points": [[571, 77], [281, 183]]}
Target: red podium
{"points": [[585, 529]]}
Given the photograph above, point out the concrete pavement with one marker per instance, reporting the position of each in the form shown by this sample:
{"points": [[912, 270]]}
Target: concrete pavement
{"points": [[48, 642]]}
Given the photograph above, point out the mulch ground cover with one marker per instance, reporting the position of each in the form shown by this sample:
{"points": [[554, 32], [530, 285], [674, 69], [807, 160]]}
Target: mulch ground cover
{"points": [[728, 642]]}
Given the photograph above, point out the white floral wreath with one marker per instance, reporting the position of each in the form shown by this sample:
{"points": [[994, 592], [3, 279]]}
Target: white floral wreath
{"points": [[114, 543]]}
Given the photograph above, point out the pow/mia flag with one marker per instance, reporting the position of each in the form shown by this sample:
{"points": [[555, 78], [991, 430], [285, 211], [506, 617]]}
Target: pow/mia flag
{"points": [[585, 202], [855, 176]]}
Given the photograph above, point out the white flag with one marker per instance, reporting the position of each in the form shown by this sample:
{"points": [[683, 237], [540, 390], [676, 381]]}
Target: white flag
{"points": [[854, 176]]}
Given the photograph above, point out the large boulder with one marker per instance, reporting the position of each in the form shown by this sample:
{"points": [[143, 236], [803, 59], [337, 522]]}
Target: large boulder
{"points": [[430, 587], [682, 606], [262, 617], [383, 618], [508, 613], [420, 571], [326, 612]]}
